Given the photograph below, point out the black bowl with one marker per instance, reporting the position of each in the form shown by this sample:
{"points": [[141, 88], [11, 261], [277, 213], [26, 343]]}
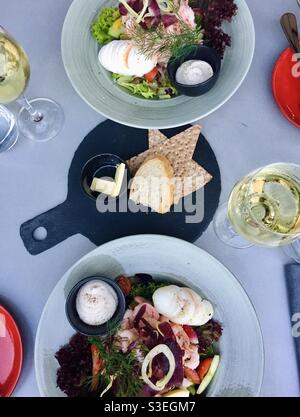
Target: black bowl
{"points": [[87, 329], [101, 166], [203, 53]]}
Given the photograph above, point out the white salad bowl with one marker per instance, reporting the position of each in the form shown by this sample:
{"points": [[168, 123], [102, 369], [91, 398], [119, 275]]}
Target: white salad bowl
{"points": [[93, 83], [240, 371]]}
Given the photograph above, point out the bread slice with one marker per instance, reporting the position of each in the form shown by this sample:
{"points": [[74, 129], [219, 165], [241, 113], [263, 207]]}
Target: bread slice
{"points": [[153, 184]]}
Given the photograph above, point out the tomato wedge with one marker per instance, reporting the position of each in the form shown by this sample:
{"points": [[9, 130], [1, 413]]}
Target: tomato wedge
{"points": [[151, 75], [204, 367], [97, 366]]}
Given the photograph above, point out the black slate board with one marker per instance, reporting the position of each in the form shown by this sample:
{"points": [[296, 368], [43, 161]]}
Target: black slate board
{"points": [[78, 214]]}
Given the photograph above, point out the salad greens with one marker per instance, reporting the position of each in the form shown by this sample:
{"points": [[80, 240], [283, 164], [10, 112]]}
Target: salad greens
{"points": [[141, 87], [100, 28], [144, 355], [159, 30], [145, 290], [121, 366]]}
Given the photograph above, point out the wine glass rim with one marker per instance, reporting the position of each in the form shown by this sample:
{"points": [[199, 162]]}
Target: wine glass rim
{"points": [[252, 176], [4, 112]]}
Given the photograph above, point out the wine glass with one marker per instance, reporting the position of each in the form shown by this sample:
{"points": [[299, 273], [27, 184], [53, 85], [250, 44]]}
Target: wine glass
{"points": [[263, 209], [40, 119]]}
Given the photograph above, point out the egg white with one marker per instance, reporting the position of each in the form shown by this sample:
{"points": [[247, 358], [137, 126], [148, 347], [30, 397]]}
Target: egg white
{"points": [[122, 57]]}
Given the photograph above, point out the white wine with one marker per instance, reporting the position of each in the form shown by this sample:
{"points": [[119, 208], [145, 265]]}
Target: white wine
{"points": [[14, 69], [264, 208], [39, 119]]}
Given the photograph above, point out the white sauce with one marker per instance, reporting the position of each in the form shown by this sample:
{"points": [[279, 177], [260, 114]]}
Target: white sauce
{"points": [[96, 302], [194, 72]]}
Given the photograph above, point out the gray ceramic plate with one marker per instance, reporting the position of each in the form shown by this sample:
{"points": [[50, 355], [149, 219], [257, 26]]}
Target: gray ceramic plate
{"points": [[242, 358], [94, 85]]}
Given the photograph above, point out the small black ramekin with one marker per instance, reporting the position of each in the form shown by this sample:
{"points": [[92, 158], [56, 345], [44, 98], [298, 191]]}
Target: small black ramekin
{"points": [[87, 329], [101, 166], [203, 53]]}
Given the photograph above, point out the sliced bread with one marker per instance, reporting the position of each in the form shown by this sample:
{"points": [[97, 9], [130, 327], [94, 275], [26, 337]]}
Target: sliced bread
{"points": [[153, 184]]}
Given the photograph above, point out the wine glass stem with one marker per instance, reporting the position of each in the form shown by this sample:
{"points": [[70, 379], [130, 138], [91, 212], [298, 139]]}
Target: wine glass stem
{"points": [[35, 115]]}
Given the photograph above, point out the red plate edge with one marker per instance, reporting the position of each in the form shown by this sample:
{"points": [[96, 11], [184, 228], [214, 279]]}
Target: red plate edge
{"points": [[274, 88], [18, 361]]}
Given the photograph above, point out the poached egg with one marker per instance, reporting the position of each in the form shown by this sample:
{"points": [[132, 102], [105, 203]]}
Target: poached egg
{"points": [[182, 305], [122, 57]]}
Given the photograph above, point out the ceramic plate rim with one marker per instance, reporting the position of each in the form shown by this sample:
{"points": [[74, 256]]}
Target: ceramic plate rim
{"points": [[192, 246]]}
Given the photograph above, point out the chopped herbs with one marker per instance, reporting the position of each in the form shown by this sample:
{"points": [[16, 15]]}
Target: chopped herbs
{"points": [[164, 44], [123, 366]]}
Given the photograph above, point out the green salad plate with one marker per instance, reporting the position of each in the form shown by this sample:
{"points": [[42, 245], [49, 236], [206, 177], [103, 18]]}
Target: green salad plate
{"points": [[94, 84], [240, 372]]}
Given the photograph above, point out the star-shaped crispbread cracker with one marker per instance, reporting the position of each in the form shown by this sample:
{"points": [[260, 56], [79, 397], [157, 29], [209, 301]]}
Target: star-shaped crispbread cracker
{"points": [[189, 175], [197, 174]]}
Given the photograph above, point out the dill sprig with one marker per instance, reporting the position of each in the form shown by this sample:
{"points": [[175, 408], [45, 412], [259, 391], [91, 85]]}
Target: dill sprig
{"points": [[164, 44], [124, 367], [159, 42], [112, 327]]}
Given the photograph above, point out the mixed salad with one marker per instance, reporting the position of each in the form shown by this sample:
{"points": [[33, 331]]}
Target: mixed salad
{"points": [[164, 346], [138, 37]]}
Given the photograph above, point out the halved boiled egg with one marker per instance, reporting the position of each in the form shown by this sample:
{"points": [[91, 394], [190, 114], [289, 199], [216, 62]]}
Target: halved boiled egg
{"points": [[139, 64], [182, 305], [166, 301], [114, 57], [122, 57], [187, 307], [203, 310]]}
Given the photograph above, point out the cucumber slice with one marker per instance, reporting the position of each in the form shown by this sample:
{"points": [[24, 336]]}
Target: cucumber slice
{"points": [[210, 374]]}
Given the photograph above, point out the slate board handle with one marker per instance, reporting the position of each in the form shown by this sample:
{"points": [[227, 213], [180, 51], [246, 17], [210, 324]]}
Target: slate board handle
{"points": [[59, 224]]}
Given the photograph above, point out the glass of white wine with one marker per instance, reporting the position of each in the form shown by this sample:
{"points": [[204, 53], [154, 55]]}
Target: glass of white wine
{"points": [[263, 209], [40, 119]]}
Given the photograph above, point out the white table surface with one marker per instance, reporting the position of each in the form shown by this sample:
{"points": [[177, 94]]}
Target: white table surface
{"points": [[245, 133]]}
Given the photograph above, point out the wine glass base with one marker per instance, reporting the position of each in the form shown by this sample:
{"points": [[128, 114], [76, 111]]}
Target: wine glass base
{"points": [[48, 127], [225, 231], [293, 250]]}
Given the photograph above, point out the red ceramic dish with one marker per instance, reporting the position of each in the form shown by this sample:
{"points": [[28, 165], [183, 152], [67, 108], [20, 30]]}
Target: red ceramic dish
{"points": [[11, 353], [286, 87]]}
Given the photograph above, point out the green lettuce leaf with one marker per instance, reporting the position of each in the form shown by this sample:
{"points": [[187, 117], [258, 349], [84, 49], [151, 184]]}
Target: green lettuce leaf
{"points": [[103, 22], [140, 87]]}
